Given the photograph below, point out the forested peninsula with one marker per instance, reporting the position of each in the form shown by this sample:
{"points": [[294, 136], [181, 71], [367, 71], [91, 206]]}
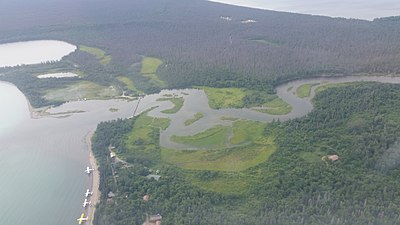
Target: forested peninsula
{"points": [[297, 184]]}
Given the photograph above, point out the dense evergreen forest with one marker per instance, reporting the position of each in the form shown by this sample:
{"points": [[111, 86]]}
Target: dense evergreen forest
{"points": [[297, 185], [207, 44]]}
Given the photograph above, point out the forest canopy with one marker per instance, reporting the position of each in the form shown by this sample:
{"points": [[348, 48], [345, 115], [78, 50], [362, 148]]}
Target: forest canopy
{"points": [[198, 46]]}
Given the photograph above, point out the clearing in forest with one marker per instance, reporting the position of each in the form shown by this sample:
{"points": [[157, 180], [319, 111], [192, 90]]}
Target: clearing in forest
{"points": [[223, 148], [81, 90], [149, 69], [129, 84], [98, 53]]}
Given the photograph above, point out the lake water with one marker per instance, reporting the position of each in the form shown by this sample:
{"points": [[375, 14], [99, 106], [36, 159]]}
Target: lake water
{"points": [[57, 75], [358, 9], [33, 52], [42, 161]]}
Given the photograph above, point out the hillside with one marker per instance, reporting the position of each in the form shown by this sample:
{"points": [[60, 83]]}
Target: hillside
{"points": [[203, 43]]}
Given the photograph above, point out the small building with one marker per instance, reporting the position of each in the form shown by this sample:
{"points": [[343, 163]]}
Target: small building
{"points": [[111, 194], [333, 158], [112, 155], [155, 177], [155, 218]]}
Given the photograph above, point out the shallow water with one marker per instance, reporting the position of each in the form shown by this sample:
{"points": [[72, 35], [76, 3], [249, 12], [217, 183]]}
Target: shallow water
{"points": [[57, 75], [357, 9]]}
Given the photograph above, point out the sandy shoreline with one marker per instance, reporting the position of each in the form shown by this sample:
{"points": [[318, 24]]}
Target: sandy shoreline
{"points": [[95, 176]]}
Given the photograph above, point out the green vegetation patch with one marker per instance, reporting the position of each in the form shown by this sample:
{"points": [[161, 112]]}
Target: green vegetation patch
{"points": [[245, 131], [178, 103], [230, 159], [197, 117], [276, 107], [229, 118], [226, 183], [305, 90], [219, 98], [155, 80], [113, 109], [312, 157], [150, 65], [81, 90], [327, 86], [128, 83], [98, 53], [251, 147], [149, 70], [266, 42], [143, 141], [215, 137]]}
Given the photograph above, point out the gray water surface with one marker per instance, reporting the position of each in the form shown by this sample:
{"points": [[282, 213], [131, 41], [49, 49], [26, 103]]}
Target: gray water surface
{"points": [[33, 52], [357, 9]]}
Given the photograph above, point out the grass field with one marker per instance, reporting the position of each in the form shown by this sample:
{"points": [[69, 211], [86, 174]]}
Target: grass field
{"points": [[149, 69], [235, 184], [98, 53], [228, 159], [143, 141], [221, 170], [219, 98], [250, 148], [276, 107], [215, 137], [128, 84], [81, 90], [178, 103], [305, 90], [150, 65], [197, 117], [245, 131]]}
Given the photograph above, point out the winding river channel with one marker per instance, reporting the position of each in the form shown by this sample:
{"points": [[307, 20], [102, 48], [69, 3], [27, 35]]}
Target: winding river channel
{"points": [[42, 158]]}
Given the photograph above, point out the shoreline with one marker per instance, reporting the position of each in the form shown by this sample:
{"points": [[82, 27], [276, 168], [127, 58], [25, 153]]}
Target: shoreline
{"points": [[95, 180]]}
